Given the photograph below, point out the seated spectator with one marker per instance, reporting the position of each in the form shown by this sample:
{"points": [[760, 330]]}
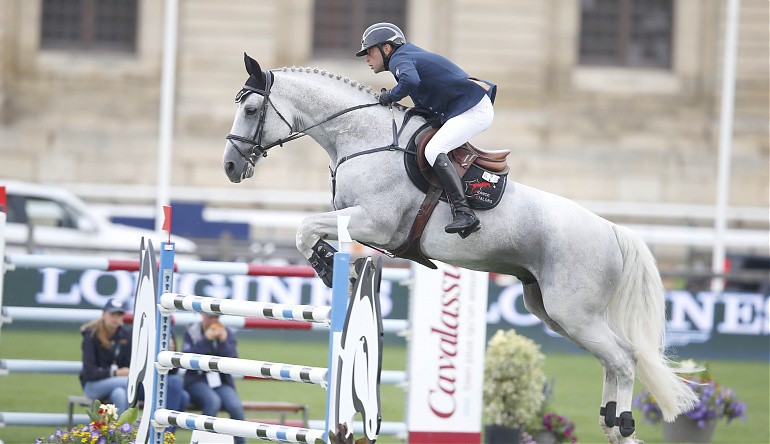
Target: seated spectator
{"points": [[106, 356], [212, 391]]}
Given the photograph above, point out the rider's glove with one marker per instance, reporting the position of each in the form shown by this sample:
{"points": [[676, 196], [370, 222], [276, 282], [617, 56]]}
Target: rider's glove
{"points": [[385, 98]]}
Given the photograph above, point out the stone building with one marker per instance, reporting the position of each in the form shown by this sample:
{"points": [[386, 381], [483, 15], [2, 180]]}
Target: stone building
{"points": [[610, 100]]}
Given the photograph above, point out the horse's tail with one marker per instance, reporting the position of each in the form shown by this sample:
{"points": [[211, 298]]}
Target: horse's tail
{"points": [[637, 314]]}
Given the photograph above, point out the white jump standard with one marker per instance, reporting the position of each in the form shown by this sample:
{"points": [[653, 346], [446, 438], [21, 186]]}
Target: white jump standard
{"points": [[352, 378]]}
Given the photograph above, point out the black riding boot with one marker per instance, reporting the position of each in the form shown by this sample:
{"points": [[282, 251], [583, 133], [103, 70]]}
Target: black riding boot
{"points": [[465, 221]]}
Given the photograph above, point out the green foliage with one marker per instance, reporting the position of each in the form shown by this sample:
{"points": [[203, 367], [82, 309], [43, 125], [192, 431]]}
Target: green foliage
{"points": [[129, 416], [513, 380]]}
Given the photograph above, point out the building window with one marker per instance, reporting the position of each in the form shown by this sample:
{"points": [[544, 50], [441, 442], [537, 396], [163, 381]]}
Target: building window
{"points": [[634, 33], [338, 24], [108, 25]]}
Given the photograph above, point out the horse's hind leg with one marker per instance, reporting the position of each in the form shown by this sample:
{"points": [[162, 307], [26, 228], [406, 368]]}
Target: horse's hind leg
{"points": [[581, 316], [533, 302]]}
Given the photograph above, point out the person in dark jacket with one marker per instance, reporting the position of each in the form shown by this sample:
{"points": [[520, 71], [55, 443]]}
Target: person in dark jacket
{"points": [[106, 350], [106, 356], [212, 391], [437, 86]]}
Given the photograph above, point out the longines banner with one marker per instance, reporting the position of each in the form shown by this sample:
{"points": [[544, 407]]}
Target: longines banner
{"points": [[701, 325]]}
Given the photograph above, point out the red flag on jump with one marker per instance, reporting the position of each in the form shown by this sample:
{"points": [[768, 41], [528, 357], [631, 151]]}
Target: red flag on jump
{"points": [[167, 220], [3, 200]]}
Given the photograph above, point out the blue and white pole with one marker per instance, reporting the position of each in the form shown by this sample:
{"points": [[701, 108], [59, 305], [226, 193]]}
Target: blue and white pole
{"points": [[162, 335]]}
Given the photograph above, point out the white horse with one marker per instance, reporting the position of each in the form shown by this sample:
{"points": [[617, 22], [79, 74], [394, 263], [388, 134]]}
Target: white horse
{"points": [[591, 281]]}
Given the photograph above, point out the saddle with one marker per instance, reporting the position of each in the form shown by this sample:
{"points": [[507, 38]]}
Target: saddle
{"points": [[483, 172], [462, 157]]}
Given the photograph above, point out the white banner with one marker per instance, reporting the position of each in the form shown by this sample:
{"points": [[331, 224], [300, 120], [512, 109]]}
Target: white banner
{"points": [[446, 354]]}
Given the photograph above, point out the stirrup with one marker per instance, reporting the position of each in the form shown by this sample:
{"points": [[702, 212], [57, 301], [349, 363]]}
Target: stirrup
{"points": [[470, 230], [465, 231]]}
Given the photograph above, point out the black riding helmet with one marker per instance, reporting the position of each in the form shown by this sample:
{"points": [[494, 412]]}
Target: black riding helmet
{"points": [[380, 33]]}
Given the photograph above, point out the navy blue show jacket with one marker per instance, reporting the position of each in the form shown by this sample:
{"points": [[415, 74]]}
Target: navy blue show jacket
{"points": [[195, 342], [434, 83]]}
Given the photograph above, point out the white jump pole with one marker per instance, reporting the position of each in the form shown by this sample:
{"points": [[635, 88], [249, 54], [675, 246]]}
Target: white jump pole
{"points": [[3, 205]]}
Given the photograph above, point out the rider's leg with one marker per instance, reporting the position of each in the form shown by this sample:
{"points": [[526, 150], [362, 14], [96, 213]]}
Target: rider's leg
{"points": [[455, 132], [464, 217]]}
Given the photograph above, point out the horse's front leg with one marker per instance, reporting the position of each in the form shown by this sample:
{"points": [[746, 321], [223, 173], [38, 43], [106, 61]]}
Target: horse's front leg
{"points": [[316, 229]]}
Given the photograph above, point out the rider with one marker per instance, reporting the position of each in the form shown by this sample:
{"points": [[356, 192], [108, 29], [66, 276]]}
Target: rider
{"points": [[436, 85]]}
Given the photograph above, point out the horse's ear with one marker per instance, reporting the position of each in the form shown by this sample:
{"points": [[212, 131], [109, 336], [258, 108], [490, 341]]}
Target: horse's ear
{"points": [[252, 66]]}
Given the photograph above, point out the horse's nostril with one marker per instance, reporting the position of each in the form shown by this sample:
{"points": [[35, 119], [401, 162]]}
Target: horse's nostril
{"points": [[229, 168]]}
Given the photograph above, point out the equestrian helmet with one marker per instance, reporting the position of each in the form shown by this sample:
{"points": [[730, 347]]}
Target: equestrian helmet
{"points": [[380, 33]]}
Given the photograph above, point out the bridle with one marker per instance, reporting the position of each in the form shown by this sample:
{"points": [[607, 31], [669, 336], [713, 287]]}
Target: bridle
{"points": [[259, 150]]}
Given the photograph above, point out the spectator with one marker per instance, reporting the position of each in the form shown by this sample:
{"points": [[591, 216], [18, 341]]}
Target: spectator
{"points": [[212, 391], [106, 357]]}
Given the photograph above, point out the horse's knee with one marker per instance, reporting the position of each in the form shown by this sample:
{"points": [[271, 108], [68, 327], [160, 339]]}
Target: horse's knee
{"points": [[304, 239]]}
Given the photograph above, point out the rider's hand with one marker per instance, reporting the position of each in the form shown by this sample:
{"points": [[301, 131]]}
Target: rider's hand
{"points": [[385, 98]]}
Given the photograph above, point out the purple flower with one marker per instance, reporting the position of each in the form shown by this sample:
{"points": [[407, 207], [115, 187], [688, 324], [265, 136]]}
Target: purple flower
{"points": [[95, 434], [58, 433], [51, 438], [102, 440], [39, 441], [125, 428]]}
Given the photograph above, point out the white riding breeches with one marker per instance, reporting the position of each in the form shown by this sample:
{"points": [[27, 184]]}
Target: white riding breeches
{"points": [[460, 129]]}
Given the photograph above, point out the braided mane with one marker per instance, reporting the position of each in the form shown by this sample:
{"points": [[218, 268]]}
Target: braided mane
{"points": [[324, 73]]}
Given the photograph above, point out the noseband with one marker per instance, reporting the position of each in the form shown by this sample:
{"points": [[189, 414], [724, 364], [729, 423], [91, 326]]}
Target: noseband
{"points": [[257, 149]]}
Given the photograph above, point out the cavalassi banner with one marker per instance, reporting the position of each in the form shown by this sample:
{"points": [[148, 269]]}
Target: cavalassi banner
{"points": [[447, 346], [700, 325]]}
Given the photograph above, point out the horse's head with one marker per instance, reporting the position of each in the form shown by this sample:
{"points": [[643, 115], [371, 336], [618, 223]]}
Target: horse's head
{"points": [[256, 128]]}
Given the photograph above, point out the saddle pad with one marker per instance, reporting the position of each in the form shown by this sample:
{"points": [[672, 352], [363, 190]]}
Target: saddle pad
{"points": [[483, 189]]}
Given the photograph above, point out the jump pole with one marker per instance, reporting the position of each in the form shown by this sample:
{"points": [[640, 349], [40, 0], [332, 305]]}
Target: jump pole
{"points": [[3, 205]]}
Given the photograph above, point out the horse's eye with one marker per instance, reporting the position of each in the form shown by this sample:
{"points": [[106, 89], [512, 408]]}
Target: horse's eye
{"points": [[250, 111]]}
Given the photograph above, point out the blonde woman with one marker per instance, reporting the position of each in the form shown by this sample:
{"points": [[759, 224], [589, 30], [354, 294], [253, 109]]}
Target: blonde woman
{"points": [[106, 356]]}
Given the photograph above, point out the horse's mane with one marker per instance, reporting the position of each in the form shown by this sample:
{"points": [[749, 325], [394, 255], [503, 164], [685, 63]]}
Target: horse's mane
{"points": [[324, 73]]}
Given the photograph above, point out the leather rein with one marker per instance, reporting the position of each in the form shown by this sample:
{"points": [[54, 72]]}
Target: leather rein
{"points": [[259, 150]]}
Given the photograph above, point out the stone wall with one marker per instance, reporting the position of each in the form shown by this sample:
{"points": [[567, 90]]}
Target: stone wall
{"points": [[581, 131]]}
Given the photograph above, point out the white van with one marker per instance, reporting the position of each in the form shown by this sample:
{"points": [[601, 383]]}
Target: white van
{"points": [[63, 224]]}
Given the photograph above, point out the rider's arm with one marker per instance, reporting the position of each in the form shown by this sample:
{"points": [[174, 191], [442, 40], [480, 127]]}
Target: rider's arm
{"points": [[408, 79]]}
